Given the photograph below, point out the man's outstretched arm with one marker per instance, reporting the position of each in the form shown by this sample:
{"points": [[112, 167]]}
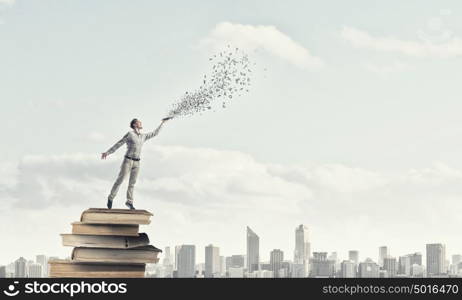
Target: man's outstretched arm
{"points": [[156, 131], [115, 147]]}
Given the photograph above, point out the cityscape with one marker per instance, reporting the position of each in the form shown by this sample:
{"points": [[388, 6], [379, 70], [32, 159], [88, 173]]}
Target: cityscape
{"points": [[180, 262]]}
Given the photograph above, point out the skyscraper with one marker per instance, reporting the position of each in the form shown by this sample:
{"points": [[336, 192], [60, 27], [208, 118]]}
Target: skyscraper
{"points": [[436, 259], [286, 267], [43, 261], [383, 252], [404, 265], [406, 262], [348, 269], [333, 256], [228, 263], [417, 271], [237, 261], [167, 263], [321, 266], [368, 269], [276, 258], [456, 260], [35, 270], [20, 270], [416, 264], [186, 261], [212, 261], [253, 251], [302, 250], [222, 266], [416, 258], [389, 264], [9, 268], [2, 271], [353, 255], [177, 251], [167, 257]]}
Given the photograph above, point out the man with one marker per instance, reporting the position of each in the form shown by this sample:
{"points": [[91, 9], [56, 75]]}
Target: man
{"points": [[131, 163]]}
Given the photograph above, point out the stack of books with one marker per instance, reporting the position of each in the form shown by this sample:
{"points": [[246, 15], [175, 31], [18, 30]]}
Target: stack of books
{"points": [[107, 243]]}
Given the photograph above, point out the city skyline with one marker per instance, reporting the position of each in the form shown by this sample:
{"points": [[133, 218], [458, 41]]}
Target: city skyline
{"points": [[433, 263], [299, 241]]}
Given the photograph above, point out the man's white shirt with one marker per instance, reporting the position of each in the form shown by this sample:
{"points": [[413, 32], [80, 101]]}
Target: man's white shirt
{"points": [[134, 141]]}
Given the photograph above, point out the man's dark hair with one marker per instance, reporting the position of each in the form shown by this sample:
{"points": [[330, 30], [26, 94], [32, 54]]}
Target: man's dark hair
{"points": [[132, 123]]}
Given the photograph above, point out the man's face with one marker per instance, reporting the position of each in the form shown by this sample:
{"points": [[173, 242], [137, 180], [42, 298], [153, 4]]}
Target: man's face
{"points": [[138, 124]]}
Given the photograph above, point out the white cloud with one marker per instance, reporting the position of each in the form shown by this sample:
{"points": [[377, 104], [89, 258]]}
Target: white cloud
{"points": [[267, 38], [7, 2], [362, 39], [95, 136], [333, 177], [387, 69], [194, 190], [438, 174], [8, 174]]}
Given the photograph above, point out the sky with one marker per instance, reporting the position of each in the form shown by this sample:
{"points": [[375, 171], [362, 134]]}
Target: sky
{"points": [[352, 126]]}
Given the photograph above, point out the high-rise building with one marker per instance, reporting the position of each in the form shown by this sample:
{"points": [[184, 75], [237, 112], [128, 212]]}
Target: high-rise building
{"points": [[406, 262], [284, 271], [186, 261], [276, 258], [228, 263], [43, 261], [383, 252], [353, 255], [333, 256], [417, 271], [436, 259], [167, 257], [253, 251], [389, 264], [456, 260], [348, 269], [368, 269], [10, 268], [177, 251], [298, 271], [416, 258], [212, 261], [35, 270], [458, 269], [222, 266], [237, 261], [168, 271], [20, 268], [404, 265], [2, 271], [302, 250], [321, 266]]}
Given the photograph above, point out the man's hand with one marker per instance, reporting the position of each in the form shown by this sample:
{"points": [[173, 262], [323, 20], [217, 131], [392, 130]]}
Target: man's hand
{"points": [[104, 155]]}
